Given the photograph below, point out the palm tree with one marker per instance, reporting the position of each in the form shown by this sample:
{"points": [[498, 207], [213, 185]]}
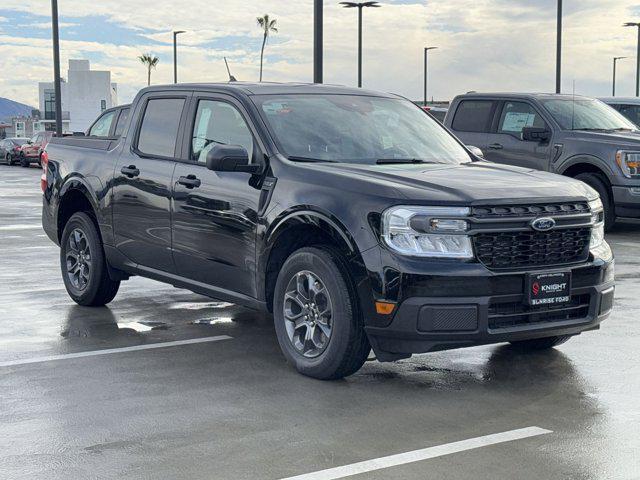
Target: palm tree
{"points": [[150, 61], [267, 26]]}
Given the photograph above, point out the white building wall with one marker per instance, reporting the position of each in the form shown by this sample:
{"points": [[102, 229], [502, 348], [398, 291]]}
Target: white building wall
{"points": [[85, 94]]}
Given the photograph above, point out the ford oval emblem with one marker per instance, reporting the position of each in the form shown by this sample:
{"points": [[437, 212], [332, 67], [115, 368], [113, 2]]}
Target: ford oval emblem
{"points": [[543, 224]]}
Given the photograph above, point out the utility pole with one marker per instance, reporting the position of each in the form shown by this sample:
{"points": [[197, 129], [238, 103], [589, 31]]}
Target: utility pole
{"points": [[317, 41], [636, 24], [615, 60], [56, 66], [175, 55], [559, 49], [426, 71], [360, 6]]}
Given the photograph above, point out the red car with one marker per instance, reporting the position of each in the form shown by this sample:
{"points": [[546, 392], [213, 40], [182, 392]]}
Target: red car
{"points": [[31, 151]]}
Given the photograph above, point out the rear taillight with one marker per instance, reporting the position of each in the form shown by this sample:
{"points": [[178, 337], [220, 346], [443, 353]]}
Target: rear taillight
{"points": [[43, 178]]}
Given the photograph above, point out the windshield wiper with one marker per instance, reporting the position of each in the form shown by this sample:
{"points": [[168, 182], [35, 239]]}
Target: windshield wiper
{"points": [[382, 161], [295, 158], [593, 129]]}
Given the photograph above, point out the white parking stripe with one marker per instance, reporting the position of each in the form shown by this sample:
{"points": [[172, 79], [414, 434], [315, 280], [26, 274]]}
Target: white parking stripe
{"points": [[110, 351], [423, 454]]}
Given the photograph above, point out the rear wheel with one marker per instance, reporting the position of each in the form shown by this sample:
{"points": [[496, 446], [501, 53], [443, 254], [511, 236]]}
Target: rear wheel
{"points": [[24, 163], [8, 159], [541, 343], [83, 264], [600, 185], [318, 323]]}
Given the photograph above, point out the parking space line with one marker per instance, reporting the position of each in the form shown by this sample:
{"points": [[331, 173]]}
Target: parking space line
{"points": [[110, 351], [422, 454]]}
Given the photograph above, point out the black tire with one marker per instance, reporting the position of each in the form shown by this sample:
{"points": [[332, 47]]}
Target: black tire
{"points": [[601, 185], [541, 343], [347, 347], [98, 289], [24, 163], [8, 159]]}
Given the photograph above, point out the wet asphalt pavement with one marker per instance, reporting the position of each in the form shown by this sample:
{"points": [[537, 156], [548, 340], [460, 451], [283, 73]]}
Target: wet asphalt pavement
{"points": [[233, 408]]}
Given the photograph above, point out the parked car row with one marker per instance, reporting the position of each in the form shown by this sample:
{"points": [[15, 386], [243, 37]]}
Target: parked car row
{"points": [[24, 151]]}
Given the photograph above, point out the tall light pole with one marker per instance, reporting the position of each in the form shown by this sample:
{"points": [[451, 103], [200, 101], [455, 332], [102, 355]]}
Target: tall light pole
{"points": [[426, 71], [636, 24], [175, 54], [360, 6], [56, 66], [559, 49], [317, 40], [615, 60]]}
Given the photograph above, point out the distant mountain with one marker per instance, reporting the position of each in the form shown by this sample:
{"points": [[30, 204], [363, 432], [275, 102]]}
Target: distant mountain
{"points": [[9, 108]]}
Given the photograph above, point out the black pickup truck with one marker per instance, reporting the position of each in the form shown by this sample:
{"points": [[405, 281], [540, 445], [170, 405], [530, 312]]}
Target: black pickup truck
{"points": [[354, 217]]}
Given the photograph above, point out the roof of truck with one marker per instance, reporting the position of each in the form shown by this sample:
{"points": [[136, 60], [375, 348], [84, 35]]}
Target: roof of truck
{"points": [[567, 96], [270, 88], [627, 100]]}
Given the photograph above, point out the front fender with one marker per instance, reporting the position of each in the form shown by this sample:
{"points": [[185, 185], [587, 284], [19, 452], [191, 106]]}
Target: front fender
{"points": [[592, 160]]}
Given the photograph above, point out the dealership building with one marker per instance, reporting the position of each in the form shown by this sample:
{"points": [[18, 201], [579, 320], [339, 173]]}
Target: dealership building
{"points": [[85, 94]]}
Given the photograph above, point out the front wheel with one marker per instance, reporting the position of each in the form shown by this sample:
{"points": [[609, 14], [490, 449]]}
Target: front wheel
{"points": [[24, 163], [541, 343], [600, 185], [83, 264], [8, 159], [318, 323]]}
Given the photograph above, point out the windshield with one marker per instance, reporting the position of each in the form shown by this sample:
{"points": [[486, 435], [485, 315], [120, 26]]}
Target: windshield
{"points": [[357, 129], [19, 141], [586, 114]]}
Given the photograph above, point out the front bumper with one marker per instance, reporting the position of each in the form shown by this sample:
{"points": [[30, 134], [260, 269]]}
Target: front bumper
{"points": [[627, 201], [466, 305]]}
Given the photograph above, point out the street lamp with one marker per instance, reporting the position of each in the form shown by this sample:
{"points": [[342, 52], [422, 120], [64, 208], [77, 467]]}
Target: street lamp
{"points": [[426, 52], [360, 6], [615, 60], [636, 24], [317, 41], [559, 49], [175, 54], [56, 66]]}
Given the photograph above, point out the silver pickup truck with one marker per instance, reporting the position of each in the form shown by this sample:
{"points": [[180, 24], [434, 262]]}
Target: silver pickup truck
{"points": [[576, 136]]}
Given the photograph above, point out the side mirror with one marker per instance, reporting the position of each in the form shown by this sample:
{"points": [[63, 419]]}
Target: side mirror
{"points": [[476, 151], [231, 158], [535, 134]]}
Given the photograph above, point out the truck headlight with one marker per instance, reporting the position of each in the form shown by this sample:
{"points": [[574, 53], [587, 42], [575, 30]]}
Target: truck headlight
{"points": [[427, 231], [597, 219], [629, 163]]}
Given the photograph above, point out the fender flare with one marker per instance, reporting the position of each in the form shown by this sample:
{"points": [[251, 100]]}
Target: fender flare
{"points": [[309, 216], [589, 160]]}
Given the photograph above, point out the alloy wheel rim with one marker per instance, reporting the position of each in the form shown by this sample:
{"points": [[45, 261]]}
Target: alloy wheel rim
{"points": [[78, 259], [308, 314]]}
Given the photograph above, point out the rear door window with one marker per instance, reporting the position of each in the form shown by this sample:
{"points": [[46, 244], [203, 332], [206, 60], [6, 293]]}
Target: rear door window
{"points": [[102, 127], [159, 128], [473, 116], [122, 120], [518, 115]]}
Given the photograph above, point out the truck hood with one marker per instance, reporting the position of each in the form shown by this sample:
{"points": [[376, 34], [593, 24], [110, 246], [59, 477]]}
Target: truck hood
{"points": [[616, 139], [470, 183]]}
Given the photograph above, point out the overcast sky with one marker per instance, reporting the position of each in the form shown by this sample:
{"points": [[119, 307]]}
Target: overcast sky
{"points": [[484, 45]]}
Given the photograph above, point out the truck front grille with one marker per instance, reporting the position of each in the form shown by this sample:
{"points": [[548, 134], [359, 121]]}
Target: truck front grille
{"points": [[499, 250], [550, 209]]}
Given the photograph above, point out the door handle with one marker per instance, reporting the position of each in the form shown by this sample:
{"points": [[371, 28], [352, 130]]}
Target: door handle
{"points": [[496, 146], [130, 171], [190, 181]]}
